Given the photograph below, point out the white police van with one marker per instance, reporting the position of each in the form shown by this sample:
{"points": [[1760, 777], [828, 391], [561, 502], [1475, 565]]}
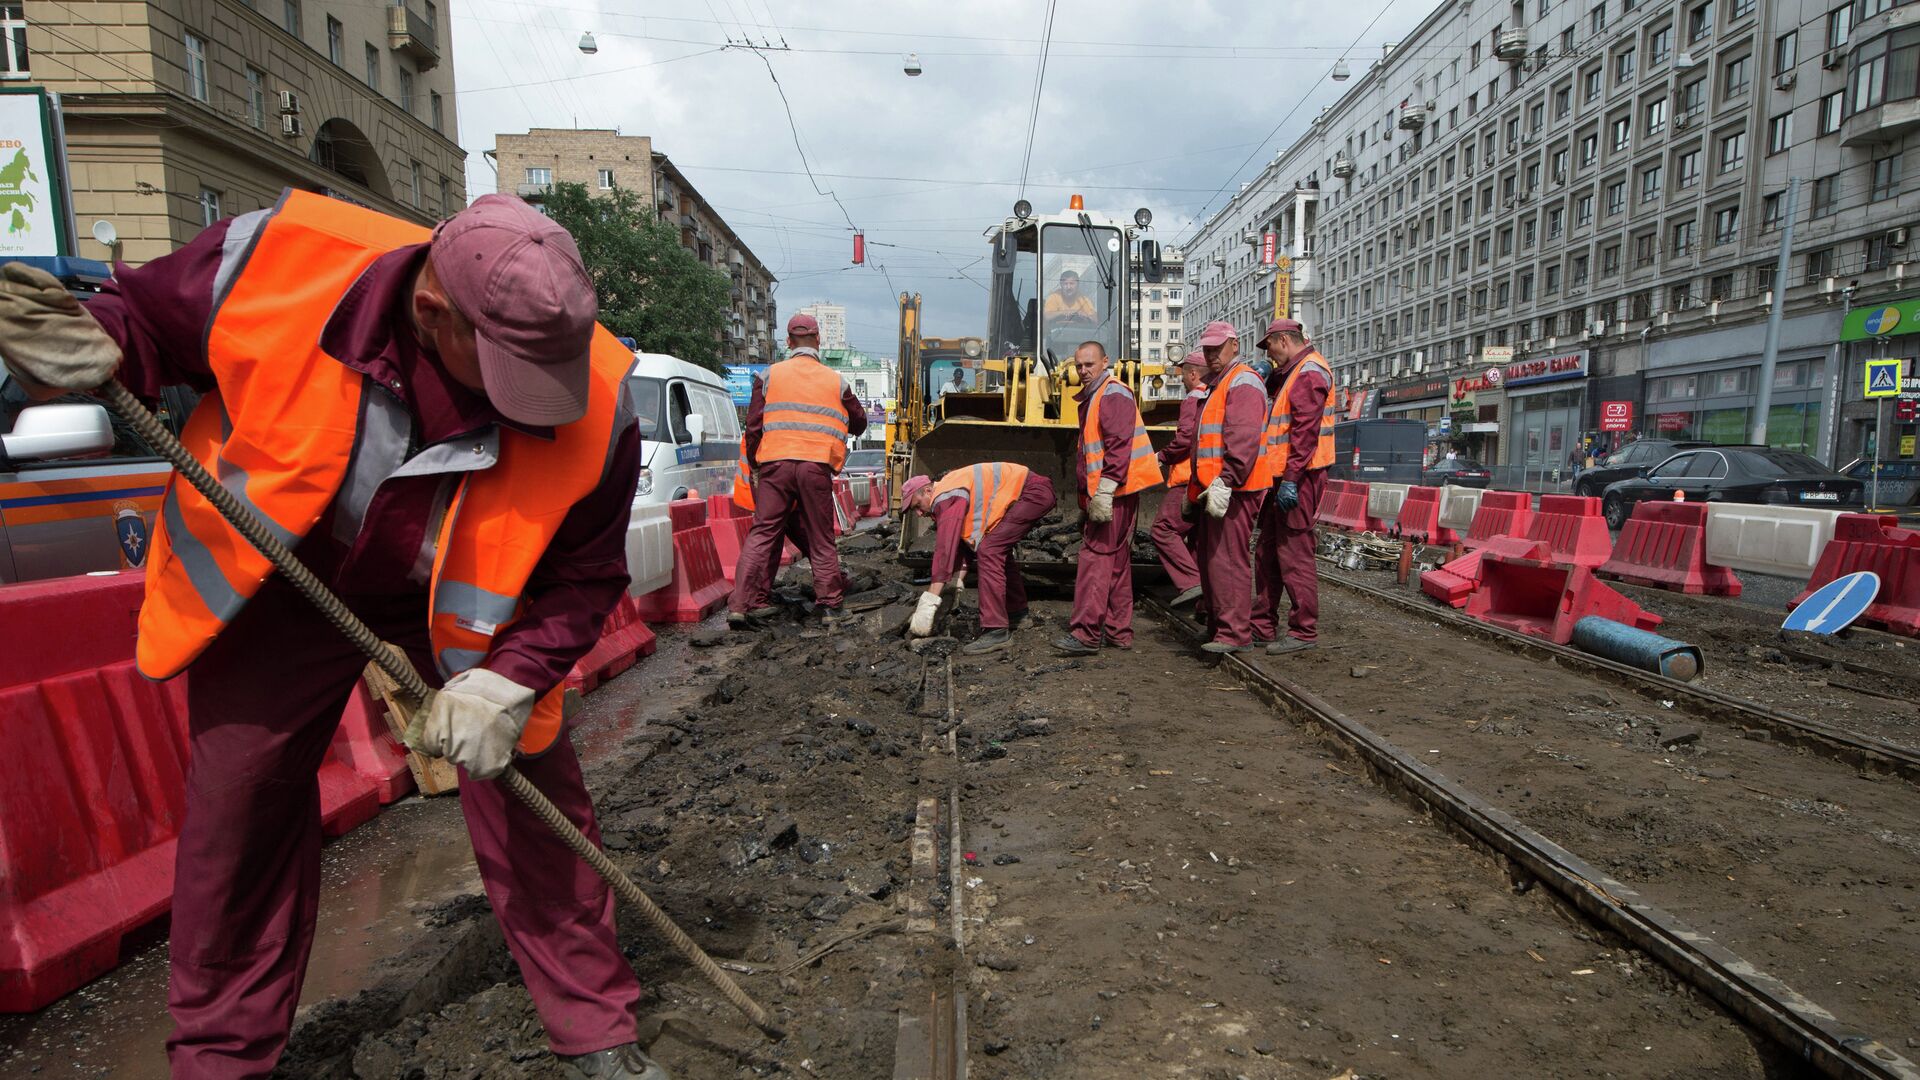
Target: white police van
{"points": [[689, 431]]}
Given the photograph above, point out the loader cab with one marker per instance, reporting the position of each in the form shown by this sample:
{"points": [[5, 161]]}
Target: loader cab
{"points": [[1058, 280]]}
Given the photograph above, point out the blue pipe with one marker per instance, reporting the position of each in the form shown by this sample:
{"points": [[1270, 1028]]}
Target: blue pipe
{"points": [[1638, 648]]}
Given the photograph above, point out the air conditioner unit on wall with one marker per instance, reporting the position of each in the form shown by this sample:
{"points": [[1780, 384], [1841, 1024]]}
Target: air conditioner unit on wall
{"points": [[1897, 237], [291, 127], [289, 103], [1833, 58], [1783, 81]]}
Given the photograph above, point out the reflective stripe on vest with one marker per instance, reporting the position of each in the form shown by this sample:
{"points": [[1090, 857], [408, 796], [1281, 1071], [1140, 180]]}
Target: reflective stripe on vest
{"points": [[991, 487], [285, 428], [803, 417], [1279, 445], [1210, 437], [1143, 469]]}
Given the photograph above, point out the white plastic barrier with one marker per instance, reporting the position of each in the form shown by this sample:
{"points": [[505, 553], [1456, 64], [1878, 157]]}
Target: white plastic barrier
{"points": [[1384, 501], [1457, 507], [862, 492], [1784, 540], [649, 548]]}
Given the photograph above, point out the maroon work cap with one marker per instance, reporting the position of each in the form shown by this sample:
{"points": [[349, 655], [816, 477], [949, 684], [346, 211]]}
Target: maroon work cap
{"points": [[913, 486], [1217, 333], [1278, 326], [803, 326], [1195, 358], [517, 277]]}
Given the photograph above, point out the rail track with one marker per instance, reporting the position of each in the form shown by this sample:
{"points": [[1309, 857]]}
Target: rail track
{"points": [[1800, 1027], [932, 1040]]}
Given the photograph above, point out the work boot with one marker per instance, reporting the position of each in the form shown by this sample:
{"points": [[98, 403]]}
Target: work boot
{"points": [[1187, 596], [1015, 618], [1218, 646], [833, 618], [625, 1062], [1288, 645], [1073, 646], [765, 611], [740, 620], [989, 641]]}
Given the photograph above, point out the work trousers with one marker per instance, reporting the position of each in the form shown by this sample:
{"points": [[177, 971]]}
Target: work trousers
{"points": [[1283, 559], [1226, 567], [1173, 538], [1103, 581], [788, 489], [262, 705], [1003, 591], [760, 589]]}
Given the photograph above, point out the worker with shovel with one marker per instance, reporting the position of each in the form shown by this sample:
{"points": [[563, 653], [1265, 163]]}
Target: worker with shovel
{"points": [[979, 513], [437, 425]]}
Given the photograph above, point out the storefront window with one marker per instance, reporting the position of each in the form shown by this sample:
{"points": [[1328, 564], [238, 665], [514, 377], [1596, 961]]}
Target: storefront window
{"points": [[1794, 427], [1724, 425]]}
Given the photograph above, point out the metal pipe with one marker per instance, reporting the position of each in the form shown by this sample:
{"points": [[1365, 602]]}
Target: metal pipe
{"points": [[1638, 648]]}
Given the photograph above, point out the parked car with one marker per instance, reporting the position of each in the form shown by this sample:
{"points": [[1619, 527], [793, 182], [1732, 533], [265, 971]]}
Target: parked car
{"points": [[1899, 480], [1459, 471], [1742, 474], [1385, 451], [865, 463], [1627, 462], [689, 431]]}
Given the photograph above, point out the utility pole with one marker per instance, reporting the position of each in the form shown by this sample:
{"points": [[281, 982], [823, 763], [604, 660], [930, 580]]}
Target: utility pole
{"points": [[1770, 352]]}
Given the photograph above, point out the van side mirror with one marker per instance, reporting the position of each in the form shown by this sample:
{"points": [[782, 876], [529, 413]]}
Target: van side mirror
{"points": [[696, 428], [44, 432]]}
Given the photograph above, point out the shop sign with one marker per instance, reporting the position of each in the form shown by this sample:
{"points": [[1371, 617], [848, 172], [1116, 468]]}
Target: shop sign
{"points": [[1431, 388], [1466, 399], [1497, 355], [1906, 446], [1882, 320], [1486, 380], [1616, 416], [31, 203], [1546, 369], [1672, 421], [1268, 241]]}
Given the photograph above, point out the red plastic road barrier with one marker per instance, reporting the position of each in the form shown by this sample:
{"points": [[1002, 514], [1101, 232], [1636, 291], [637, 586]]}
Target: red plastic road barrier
{"points": [[624, 640], [1420, 518], [687, 513], [1501, 513], [1545, 599], [877, 503], [1575, 528], [365, 746], [1324, 516], [1664, 545], [1350, 508], [1453, 581], [723, 506], [1874, 542], [729, 536], [699, 585]]}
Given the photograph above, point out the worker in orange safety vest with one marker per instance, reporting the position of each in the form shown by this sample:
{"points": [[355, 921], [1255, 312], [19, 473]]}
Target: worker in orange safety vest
{"points": [[979, 513], [1230, 481], [1299, 450], [1172, 530], [1116, 465]]}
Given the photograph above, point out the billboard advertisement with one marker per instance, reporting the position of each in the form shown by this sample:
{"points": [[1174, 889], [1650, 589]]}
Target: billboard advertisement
{"points": [[33, 218]]}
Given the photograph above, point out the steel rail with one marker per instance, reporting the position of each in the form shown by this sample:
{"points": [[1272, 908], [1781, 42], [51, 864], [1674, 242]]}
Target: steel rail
{"points": [[1800, 1027]]}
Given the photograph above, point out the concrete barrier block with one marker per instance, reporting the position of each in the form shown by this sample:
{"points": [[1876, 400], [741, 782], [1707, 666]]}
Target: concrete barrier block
{"points": [[649, 548], [1783, 540], [1457, 507], [1384, 501]]}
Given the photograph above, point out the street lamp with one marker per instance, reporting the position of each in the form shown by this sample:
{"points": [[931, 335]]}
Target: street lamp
{"points": [[587, 44], [1341, 73]]}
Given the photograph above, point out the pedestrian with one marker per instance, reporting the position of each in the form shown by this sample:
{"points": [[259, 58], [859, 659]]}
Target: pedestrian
{"points": [[798, 422], [1117, 464], [1172, 530], [335, 345], [1299, 449], [979, 513], [1230, 481], [1452, 454]]}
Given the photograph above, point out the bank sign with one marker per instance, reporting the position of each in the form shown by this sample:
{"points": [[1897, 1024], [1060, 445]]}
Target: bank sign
{"points": [[1546, 369], [1882, 320]]}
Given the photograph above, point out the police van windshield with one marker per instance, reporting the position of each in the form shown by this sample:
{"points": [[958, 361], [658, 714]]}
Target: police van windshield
{"points": [[649, 405], [1080, 277]]}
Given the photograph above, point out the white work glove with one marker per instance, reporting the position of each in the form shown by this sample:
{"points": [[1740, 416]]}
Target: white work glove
{"points": [[475, 720], [1100, 507], [921, 625], [1218, 497], [46, 338]]}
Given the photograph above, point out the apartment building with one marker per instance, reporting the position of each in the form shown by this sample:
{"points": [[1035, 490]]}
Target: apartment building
{"points": [[181, 112], [833, 323], [1157, 307], [1600, 187]]}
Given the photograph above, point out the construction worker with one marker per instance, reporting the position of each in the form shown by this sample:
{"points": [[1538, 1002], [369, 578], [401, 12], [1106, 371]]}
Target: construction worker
{"points": [[1067, 305], [1117, 464], [1299, 449], [798, 422], [1172, 530], [1230, 481], [336, 345], [979, 513], [762, 597]]}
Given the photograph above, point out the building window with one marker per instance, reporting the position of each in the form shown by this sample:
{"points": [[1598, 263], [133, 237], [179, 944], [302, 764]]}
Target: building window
{"points": [[196, 66], [1656, 116], [1770, 211], [373, 66], [1779, 133], [1832, 108], [1682, 238], [1597, 20], [1623, 67], [406, 90], [1738, 9], [1687, 169], [1526, 288], [415, 186], [209, 206], [433, 21], [1739, 73], [1616, 196], [1622, 132], [1527, 235], [1786, 49], [1589, 150], [1556, 217], [606, 184], [541, 176], [439, 110], [1643, 250], [1503, 294], [1883, 70], [1583, 211], [446, 197], [1660, 46], [256, 97], [1819, 265], [1578, 277], [1693, 97], [1720, 287], [1553, 279], [1886, 178], [336, 42], [1726, 225], [1592, 78], [1823, 195], [1649, 183], [1839, 26], [1700, 22], [1562, 101], [1680, 296], [290, 16]]}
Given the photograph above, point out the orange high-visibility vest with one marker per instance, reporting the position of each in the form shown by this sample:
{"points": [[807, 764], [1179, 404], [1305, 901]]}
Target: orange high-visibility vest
{"points": [[292, 431], [1143, 469], [1210, 438], [1182, 471], [991, 487], [1280, 421], [804, 418], [743, 480]]}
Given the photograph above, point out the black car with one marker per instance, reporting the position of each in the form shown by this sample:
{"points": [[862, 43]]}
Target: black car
{"points": [[1627, 462], [1742, 474], [1459, 471], [1899, 480]]}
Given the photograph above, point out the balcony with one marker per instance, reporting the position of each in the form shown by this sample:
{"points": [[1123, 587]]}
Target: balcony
{"points": [[1413, 117], [1343, 166], [533, 192], [1511, 46], [412, 36], [1883, 123]]}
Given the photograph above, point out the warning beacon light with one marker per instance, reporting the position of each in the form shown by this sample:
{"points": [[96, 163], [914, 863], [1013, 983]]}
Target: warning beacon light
{"points": [[1076, 203]]}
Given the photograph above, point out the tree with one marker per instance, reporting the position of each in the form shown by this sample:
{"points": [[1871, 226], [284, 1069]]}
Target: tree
{"points": [[650, 288]]}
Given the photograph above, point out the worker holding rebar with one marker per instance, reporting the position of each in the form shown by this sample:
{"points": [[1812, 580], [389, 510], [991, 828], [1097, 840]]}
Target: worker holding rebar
{"points": [[1299, 449], [1172, 530], [979, 513], [1116, 465], [798, 422], [439, 429], [1230, 481]]}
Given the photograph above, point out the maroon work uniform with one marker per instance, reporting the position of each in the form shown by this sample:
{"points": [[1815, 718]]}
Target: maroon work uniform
{"points": [[786, 490], [1226, 568], [1172, 530], [265, 697], [1003, 592], [1103, 580], [1284, 557]]}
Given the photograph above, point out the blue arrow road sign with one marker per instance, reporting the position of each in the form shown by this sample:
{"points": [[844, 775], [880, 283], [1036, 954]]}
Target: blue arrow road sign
{"points": [[1836, 604]]}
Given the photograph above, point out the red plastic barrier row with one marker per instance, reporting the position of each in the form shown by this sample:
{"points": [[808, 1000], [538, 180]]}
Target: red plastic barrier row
{"points": [[624, 640], [1501, 513], [1875, 542], [1664, 545], [1574, 527], [1328, 498], [1420, 518], [699, 585], [1544, 599], [877, 502], [1349, 508], [1454, 581]]}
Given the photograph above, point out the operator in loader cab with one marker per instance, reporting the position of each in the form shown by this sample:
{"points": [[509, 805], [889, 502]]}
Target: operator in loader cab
{"points": [[437, 426], [1068, 305]]}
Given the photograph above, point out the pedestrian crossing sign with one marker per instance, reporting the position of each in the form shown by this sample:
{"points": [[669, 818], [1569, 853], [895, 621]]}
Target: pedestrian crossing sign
{"points": [[1883, 378]]}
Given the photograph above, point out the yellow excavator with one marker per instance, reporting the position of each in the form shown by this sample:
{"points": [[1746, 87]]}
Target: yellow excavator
{"points": [[1058, 280]]}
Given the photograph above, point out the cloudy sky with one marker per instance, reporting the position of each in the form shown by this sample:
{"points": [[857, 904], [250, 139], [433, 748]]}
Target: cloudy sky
{"points": [[1144, 104]]}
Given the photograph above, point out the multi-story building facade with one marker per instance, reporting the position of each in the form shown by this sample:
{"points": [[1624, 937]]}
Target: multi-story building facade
{"points": [[602, 160], [1600, 186], [182, 112], [1157, 306], [833, 323]]}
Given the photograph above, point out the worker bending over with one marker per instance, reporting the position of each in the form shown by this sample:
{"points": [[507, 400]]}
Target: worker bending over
{"points": [[438, 428], [798, 421], [1299, 449], [1117, 464], [1230, 480], [1172, 530], [979, 513]]}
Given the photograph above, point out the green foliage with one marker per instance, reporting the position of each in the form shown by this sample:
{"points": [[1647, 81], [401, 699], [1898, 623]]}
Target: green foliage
{"points": [[650, 288]]}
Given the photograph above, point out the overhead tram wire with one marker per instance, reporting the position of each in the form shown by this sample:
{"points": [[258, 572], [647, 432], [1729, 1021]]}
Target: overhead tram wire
{"points": [[1039, 84]]}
